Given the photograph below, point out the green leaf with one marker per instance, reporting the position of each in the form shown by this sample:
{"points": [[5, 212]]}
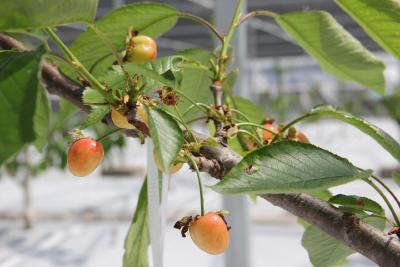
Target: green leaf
{"points": [[380, 136], [286, 167], [195, 81], [380, 19], [396, 177], [166, 135], [323, 250], [336, 50], [357, 202], [159, 72], [150, 71], [41, 119], [391, 103], [150, 19], [137, 240], [250, 109], [19, 85], [230, 81], [29, 14], [92, 96], [96, 115]]}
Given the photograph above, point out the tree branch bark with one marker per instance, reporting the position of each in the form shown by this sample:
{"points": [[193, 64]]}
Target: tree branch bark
{"points": [[363, 238]]}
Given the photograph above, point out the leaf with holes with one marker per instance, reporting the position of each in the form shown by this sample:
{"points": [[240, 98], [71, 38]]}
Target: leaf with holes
{"points": [[356, 202], [287, 167], [335, 49]]}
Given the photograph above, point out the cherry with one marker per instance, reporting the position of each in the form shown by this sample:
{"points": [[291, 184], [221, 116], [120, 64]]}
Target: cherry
{"points": [[296, 135], [140, 49], [84, 155], [301, 137], [173, 169], [210, 233], [266, 135]]}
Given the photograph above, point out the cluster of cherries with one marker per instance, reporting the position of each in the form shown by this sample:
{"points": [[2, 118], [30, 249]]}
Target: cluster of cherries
{"points": [[209, 232]]}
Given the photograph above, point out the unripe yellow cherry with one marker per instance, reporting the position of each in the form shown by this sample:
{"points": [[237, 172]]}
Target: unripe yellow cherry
{"points": [[173, 169], [141, 49]]}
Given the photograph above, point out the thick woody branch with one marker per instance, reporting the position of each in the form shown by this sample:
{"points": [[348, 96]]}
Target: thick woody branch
{"points": [[363, 238]]}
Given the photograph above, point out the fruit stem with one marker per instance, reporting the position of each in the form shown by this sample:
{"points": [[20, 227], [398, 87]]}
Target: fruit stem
{"points": [[257, 139], [198, 105], [190, 100], [264, 13], [377, 189], [184, 123], [241, 114], [293, 122], [387, 189], [196, 168], [75, 61], [258, 126], [204, 22], [108, 134]]}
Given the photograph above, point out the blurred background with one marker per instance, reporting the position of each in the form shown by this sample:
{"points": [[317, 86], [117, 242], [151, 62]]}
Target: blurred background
{"points": [[49, 218]]}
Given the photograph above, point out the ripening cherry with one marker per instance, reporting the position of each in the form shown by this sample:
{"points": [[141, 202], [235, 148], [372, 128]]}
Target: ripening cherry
{"points": [[84, 155], [266, 135], [141, 49], [301, 137], [120, 120], [210, 233]]}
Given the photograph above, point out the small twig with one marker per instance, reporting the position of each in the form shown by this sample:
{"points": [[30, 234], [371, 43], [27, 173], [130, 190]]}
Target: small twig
{"points": [[204, 22], [264, 13]]}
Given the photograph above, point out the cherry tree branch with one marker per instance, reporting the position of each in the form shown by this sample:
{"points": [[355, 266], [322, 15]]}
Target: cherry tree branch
{"points": [[217, 161]]}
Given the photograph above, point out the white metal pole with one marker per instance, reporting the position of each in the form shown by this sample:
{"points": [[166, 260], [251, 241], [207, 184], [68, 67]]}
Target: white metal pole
{"points": [[238, 253], [157, 188]]}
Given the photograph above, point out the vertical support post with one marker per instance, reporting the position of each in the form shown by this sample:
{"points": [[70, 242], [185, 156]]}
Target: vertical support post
{"points": [[157, 193], [238, 253]]}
